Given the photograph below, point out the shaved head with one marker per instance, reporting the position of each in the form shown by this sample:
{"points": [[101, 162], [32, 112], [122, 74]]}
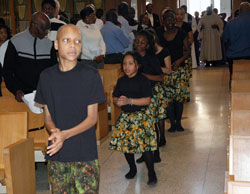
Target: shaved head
{"points": [[244, 7], [64, 27]]}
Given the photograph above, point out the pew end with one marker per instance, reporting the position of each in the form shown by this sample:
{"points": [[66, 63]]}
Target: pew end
{"points": [[19, 167]]}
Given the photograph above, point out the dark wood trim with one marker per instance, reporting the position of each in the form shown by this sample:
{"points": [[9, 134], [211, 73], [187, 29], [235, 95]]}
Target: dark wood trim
{"points": [[12, 16], [71, 8], [29, 9]]}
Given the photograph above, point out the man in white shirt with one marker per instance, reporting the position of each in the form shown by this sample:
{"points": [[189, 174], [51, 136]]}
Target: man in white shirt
{"points": [[154, 20]]}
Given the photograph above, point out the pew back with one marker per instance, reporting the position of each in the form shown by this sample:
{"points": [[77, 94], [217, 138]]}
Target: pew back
{"points": [[239, 158], [241, 75], [241, 66], [19, 167], [235, 187], [13, 127], [240, 85], [240, 122], [240, 100]]}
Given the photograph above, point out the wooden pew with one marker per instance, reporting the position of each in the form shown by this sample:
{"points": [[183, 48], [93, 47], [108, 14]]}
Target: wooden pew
{"points": [[9, 104], [241, 76], [239, 158], [240, 85], [5, 91], [240, 122], [19, 166], [241, 66], [240, 101], [102, 129], [111, 73], [237, 187]]}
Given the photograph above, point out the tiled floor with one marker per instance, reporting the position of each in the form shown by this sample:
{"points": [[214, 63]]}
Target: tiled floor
{"points": [[193, 161]]}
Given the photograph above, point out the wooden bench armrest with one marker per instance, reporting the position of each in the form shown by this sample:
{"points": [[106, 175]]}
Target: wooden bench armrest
{"points": [[19, 164]]}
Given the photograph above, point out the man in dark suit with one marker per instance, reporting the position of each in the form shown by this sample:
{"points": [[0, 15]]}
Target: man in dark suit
{"points": [[154, 20]]}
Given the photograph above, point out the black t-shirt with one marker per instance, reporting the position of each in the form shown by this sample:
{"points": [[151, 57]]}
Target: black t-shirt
{"points": [[150, 65], [175, 46], [67, 95], [186, 27], [135, 87], [162, 55]]}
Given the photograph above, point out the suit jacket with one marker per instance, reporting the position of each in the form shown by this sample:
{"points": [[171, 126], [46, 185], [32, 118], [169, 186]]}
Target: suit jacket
{"points": [[156, 21]]}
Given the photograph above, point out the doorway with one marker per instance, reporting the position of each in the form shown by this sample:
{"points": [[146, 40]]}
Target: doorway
{"points": [[223, 6]]}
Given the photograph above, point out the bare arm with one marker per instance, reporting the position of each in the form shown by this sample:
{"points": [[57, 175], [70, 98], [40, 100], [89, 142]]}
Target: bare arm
{"points": [[123, 100], [167, 69], [49, 124], [190, 37], [58, 137], [186, 54]]}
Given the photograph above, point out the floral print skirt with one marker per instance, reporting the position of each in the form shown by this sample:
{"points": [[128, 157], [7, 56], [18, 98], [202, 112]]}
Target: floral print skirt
{"points": [[134, 133]]}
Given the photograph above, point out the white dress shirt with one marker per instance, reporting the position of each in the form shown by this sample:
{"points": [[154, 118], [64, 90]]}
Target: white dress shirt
{"points": [[3, 48], [92, 41]]}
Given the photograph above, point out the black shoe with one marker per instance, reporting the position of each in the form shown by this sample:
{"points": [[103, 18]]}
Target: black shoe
{"points": [[140, 160], [157, 158], [172, 130], [131, 174], [180, 129], [152, 179], [162, 142]]}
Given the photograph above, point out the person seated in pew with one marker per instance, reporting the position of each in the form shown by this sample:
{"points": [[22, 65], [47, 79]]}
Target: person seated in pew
{"points": [[5, 35], [69, 94], [115, 39], [27, 55]]}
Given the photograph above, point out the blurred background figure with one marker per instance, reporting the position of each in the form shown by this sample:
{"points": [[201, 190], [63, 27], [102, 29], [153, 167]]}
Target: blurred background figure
{"points": [[59, 14], [5, 35], [154, 20], [93, 46], [197, 42], [115, 39], [98, 21], [210, 29], [143, 22]]}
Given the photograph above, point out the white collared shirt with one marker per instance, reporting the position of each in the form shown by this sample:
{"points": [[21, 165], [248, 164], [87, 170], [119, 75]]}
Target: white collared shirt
{"points": [[3, 48], [92, 41], [151, 18]]}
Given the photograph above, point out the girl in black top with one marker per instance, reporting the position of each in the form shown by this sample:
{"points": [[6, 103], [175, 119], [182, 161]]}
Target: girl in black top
{"points": [[134, 131], [164, 58], [188, 29], [151, 68], [176, 41]]}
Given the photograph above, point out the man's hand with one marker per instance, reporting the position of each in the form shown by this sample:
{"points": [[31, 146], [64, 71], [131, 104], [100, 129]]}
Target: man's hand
{"points": [[98, 59], [57, 139], [19, 95]]}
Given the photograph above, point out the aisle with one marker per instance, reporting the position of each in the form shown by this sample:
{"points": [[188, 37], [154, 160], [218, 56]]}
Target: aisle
{"points": [[194, 161]]}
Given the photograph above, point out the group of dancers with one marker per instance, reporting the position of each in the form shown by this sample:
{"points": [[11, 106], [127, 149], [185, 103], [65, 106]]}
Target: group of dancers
{"points": [[154, 87]]}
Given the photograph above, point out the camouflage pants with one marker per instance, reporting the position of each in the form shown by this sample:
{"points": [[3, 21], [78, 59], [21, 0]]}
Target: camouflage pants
{"points": [[74, 177]]}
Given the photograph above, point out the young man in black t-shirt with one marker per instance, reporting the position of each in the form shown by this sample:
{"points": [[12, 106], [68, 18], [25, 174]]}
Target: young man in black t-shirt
{"points": [[70, 93]]}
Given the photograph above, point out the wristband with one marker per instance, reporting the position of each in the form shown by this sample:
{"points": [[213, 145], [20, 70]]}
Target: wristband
{"points": [[131, 101]]}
